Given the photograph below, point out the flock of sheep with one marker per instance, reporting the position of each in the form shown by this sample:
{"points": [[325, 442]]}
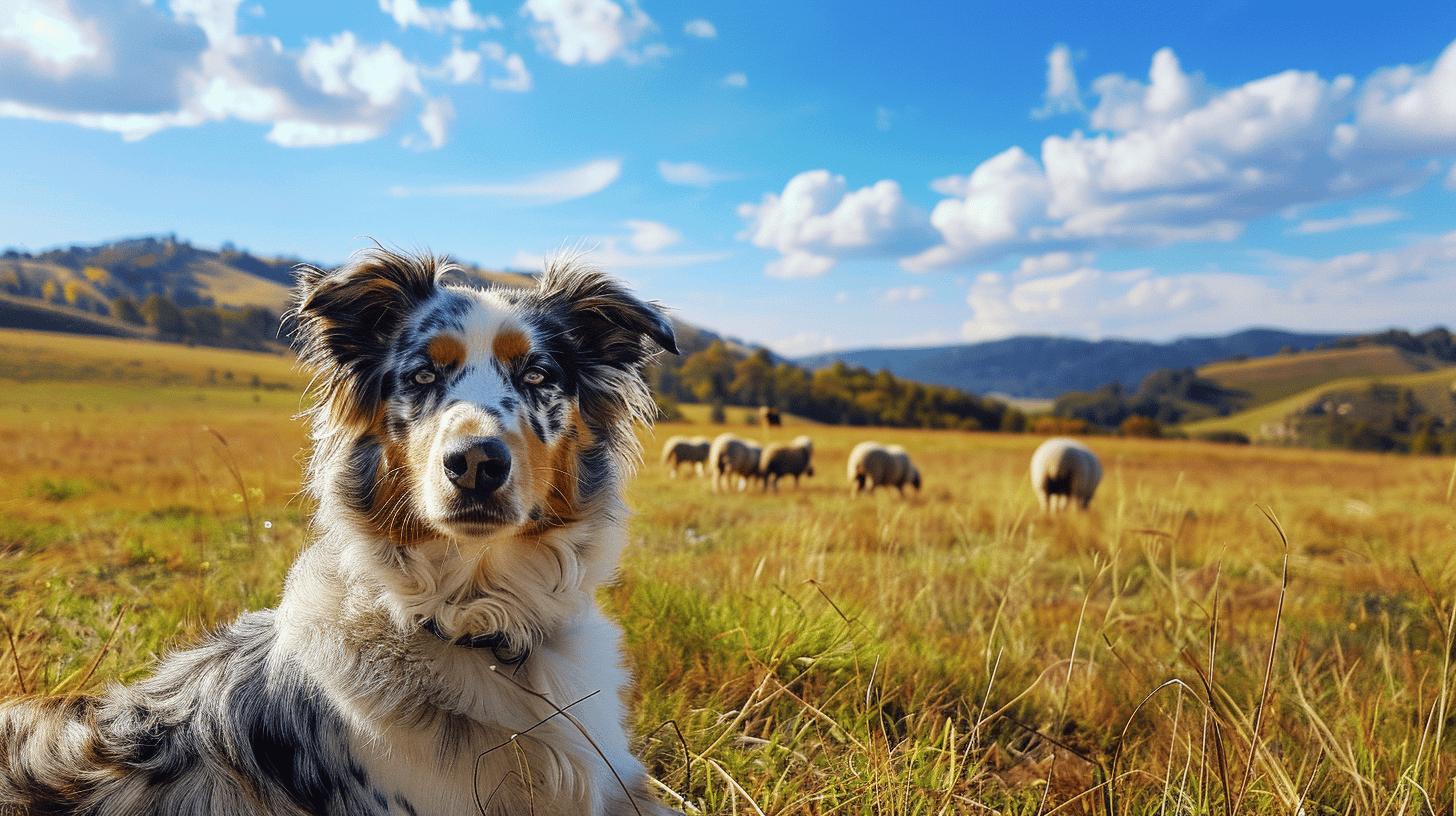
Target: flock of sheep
{"points": [[1064, 472]]}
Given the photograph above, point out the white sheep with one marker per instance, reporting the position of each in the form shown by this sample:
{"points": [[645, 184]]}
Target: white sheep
{"points": [[1064, 471], [730, 456], [782, 459], [873, 465], [685, 450]]}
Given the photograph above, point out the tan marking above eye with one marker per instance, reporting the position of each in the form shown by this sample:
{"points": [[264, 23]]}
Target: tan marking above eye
{"points": [[510, 344], [445, 351]]}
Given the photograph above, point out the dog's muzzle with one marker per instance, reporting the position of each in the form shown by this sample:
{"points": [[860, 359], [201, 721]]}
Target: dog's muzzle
{"points": [[478, 466]]}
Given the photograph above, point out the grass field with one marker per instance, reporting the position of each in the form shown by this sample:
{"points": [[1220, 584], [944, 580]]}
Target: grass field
{"points": [[953, 652]]}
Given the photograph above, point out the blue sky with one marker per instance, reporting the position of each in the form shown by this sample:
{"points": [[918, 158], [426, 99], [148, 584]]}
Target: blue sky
{"points": [[809, 176]]}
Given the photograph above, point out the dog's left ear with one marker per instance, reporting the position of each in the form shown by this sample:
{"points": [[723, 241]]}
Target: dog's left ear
{"points": [[606, 322]]}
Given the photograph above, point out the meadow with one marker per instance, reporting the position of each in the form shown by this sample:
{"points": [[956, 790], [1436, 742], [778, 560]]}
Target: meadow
{"points": [[808, 652]]}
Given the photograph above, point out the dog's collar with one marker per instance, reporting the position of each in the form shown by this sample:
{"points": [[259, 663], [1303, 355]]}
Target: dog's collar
{"points": [[497, 642]]}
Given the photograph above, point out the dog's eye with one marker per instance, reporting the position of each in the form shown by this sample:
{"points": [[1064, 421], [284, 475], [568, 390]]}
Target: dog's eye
{"points": [[534, 376], [424, 376]]}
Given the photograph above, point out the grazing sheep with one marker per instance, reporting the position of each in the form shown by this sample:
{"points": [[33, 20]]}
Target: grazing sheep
{"points": [[874, 465], [685, 450], [731, 456], [1063, 471], [786, 459]]}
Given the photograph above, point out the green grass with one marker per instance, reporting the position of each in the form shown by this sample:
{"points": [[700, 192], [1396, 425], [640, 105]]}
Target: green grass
{"points": [[953, 652]]}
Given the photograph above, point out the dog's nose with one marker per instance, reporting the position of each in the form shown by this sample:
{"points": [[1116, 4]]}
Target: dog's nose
{"points": [[479, 466]]}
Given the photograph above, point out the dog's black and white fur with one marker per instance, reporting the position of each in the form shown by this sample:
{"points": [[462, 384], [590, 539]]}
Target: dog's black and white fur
{"points": [[470, 448]]}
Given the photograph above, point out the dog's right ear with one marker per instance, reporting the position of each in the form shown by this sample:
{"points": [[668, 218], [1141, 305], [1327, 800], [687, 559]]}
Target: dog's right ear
{"points": [[346, 319]]}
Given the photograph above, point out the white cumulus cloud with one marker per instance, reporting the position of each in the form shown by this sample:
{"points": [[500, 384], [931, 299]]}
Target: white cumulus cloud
{"points": [[435, 121], [1174, 160], [49, 36], [818, 219], [187, 65], [515, 78], [590, 32], [458, 15]]}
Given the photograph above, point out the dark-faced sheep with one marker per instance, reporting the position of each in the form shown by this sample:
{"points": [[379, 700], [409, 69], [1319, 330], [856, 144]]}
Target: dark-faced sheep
{"points": [[787, 459], [730, 457], [1064, 472], [873, 465], [685, 450]]}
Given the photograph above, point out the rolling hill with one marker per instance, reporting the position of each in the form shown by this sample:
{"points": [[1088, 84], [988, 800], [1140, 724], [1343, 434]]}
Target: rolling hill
{"points": [[1432, 388], [1046, 367], [1266, 379], [88, 278]]}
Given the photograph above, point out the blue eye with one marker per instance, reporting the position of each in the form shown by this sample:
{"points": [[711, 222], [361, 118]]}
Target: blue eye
{"points": [[424, 376]]}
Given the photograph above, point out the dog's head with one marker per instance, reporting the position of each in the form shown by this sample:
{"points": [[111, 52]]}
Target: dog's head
{"points": [[451, 412]]}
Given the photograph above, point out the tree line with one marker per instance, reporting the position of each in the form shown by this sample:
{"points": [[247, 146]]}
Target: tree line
{"points": [[248, 327], [719, 375]]}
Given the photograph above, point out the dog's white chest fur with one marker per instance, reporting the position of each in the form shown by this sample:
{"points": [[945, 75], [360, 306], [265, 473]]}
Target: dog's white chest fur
{"points": [[509, 742]]}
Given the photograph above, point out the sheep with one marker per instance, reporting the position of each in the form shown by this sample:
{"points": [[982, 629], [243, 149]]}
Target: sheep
{"points": [[685, 450], [1063, 471], [731, 456], [786, 459], [876, 465]]}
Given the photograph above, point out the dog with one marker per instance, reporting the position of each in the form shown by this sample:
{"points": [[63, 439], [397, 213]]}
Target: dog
{"points": [[438, 648]]}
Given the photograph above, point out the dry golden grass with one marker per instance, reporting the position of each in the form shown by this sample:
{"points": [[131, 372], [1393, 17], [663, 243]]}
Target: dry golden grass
{"points": [[953, 652]]}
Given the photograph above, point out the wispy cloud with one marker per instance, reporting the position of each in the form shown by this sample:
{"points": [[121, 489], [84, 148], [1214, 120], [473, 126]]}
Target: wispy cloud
{"points": [[737, 79], [905, 294], [546, 188], [700, 28], [640, 248], [1062, 94], [692, 174], [1359, 218]]}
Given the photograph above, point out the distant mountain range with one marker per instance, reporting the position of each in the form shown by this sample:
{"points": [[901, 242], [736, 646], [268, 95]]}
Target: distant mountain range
{"points": [[1046, 367]]}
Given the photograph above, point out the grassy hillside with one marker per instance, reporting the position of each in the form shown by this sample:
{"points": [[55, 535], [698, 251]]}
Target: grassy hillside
{"points": [[1431, 388], [954, 652], [25, 313], [1271, 378], [89, 278]]}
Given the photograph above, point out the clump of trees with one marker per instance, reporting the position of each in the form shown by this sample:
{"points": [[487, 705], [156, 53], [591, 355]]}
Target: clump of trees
{"points": [[1437, 342], [250, 327], [719, 375], [1165, 397], [1379, 417]]}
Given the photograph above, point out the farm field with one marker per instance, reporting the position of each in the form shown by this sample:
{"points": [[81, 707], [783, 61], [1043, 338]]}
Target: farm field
{"points": [[951, 652]]}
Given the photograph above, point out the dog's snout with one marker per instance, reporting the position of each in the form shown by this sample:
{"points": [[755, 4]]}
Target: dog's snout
{"points": [[479, 466]]}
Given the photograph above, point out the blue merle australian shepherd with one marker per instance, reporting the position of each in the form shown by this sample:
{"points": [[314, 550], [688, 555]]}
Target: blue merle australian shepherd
{"points": [[470, 451]]}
